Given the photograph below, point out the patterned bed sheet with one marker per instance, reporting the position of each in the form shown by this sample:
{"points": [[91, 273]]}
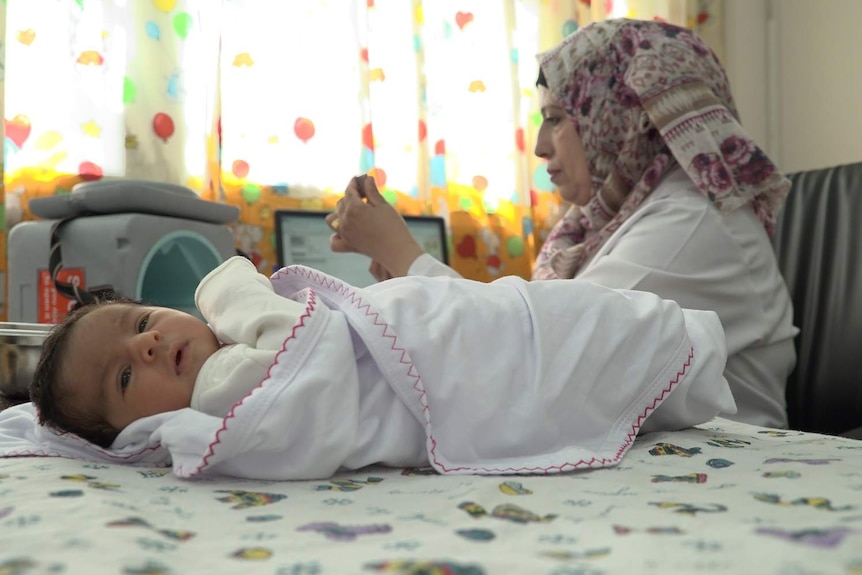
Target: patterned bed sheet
{"points": [[721, 498]]}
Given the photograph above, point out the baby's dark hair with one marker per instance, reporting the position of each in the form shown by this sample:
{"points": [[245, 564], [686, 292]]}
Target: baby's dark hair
{"points": [[47, 390]]}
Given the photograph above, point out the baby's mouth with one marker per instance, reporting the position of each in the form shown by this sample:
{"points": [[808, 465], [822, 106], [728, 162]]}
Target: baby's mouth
{"points": [[183, 358]]}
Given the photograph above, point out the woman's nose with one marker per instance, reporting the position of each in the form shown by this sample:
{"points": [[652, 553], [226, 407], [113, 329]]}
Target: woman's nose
{"points": [[543, 147]]}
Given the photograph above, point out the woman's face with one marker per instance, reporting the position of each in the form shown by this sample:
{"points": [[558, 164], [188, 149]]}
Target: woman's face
{"points": [[559, 143]]}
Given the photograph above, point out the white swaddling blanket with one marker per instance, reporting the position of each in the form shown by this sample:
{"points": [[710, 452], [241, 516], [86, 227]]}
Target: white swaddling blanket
{"points": [[507, 377]]}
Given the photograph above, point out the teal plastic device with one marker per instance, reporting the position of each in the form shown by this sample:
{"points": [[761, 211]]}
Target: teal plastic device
{"points": [[145, 240]]}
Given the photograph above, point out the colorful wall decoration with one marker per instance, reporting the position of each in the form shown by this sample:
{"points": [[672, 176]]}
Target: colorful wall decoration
{"points": [[277, 105]]}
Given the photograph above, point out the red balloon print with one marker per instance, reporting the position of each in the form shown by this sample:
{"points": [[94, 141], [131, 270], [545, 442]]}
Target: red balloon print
{"points": [[304, 129], [423, 130], [519, 139], [440, 148], [89, 171], [18, 129], [379, 177], [466, 248], [163, 126], [240, 168], [463, 18], [368, 136]]}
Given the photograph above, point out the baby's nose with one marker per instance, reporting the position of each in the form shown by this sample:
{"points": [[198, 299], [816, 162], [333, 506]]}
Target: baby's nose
{"points": [[147, 344]]}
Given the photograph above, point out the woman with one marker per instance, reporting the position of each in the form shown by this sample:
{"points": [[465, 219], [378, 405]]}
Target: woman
{"points": [[668, 193]]}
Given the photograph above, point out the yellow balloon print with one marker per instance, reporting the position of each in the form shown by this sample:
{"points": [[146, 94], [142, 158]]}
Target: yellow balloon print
{"points": [[27, 36], [48, 140], [91, 129], [243, 59], [54, 160], [165, 5]]}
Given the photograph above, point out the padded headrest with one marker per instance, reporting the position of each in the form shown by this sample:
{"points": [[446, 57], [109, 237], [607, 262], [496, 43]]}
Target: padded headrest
{"points": [[818, 243]]}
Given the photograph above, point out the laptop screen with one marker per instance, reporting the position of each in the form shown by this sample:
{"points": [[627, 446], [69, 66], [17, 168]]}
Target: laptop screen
{"points": [[302, 237]]}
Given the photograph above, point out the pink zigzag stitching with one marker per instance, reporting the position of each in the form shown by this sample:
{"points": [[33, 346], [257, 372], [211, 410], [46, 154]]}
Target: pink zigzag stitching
{"points": [[105, 452], [71, 437], [43, 453], [590, 462], [411, 372], [358, 302], [354, 299], [36, 453], [310, 306]]}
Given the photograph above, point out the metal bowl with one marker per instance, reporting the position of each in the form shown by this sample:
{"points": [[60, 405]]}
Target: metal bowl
{"points": [[20, 346]]}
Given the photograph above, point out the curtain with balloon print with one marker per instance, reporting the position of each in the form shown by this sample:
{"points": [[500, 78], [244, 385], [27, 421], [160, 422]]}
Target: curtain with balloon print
{"points": [[3, 225], [268, 104]]}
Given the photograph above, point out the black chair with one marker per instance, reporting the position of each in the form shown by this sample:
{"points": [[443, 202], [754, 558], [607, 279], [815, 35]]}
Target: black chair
{"points": [[818, 243]]}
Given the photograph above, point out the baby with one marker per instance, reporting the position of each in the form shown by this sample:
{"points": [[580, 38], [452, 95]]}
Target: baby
{"points": [[299, 375], [114, 362]]}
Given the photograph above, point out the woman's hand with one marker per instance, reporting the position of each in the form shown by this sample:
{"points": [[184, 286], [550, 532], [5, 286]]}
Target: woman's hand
{"points": [[364, 222]]}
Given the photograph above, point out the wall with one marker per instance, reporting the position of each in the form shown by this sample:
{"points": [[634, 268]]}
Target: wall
{"points": [[798, 93]]}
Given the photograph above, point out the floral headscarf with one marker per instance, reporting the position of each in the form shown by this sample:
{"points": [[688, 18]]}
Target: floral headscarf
{"points": [[646, 96]]}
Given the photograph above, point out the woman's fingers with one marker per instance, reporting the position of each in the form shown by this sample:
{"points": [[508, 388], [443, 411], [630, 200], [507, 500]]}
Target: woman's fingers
{"points": [[370, 191], [332, 221], [364, 222], [337, 244], [354, 194], [359, 181]]}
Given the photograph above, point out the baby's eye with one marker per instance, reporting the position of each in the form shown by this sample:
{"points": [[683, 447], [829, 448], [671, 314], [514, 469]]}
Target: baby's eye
{"points": [[142, 325], [125, 378]]}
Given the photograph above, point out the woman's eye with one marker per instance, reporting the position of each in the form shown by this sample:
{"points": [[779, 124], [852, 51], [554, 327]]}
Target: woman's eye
{"points": [[552, 120], [125, 378], [142, 325]]}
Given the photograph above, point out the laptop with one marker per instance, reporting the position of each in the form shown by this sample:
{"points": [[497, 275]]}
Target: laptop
{"points": [[302, 237]]}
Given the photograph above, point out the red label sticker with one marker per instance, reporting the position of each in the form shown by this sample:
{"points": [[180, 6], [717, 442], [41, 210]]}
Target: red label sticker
{"points": [[53, 306]]}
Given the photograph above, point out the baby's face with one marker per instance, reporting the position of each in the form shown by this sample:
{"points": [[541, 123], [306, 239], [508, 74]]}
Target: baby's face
{"points": [[135, 360]]}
